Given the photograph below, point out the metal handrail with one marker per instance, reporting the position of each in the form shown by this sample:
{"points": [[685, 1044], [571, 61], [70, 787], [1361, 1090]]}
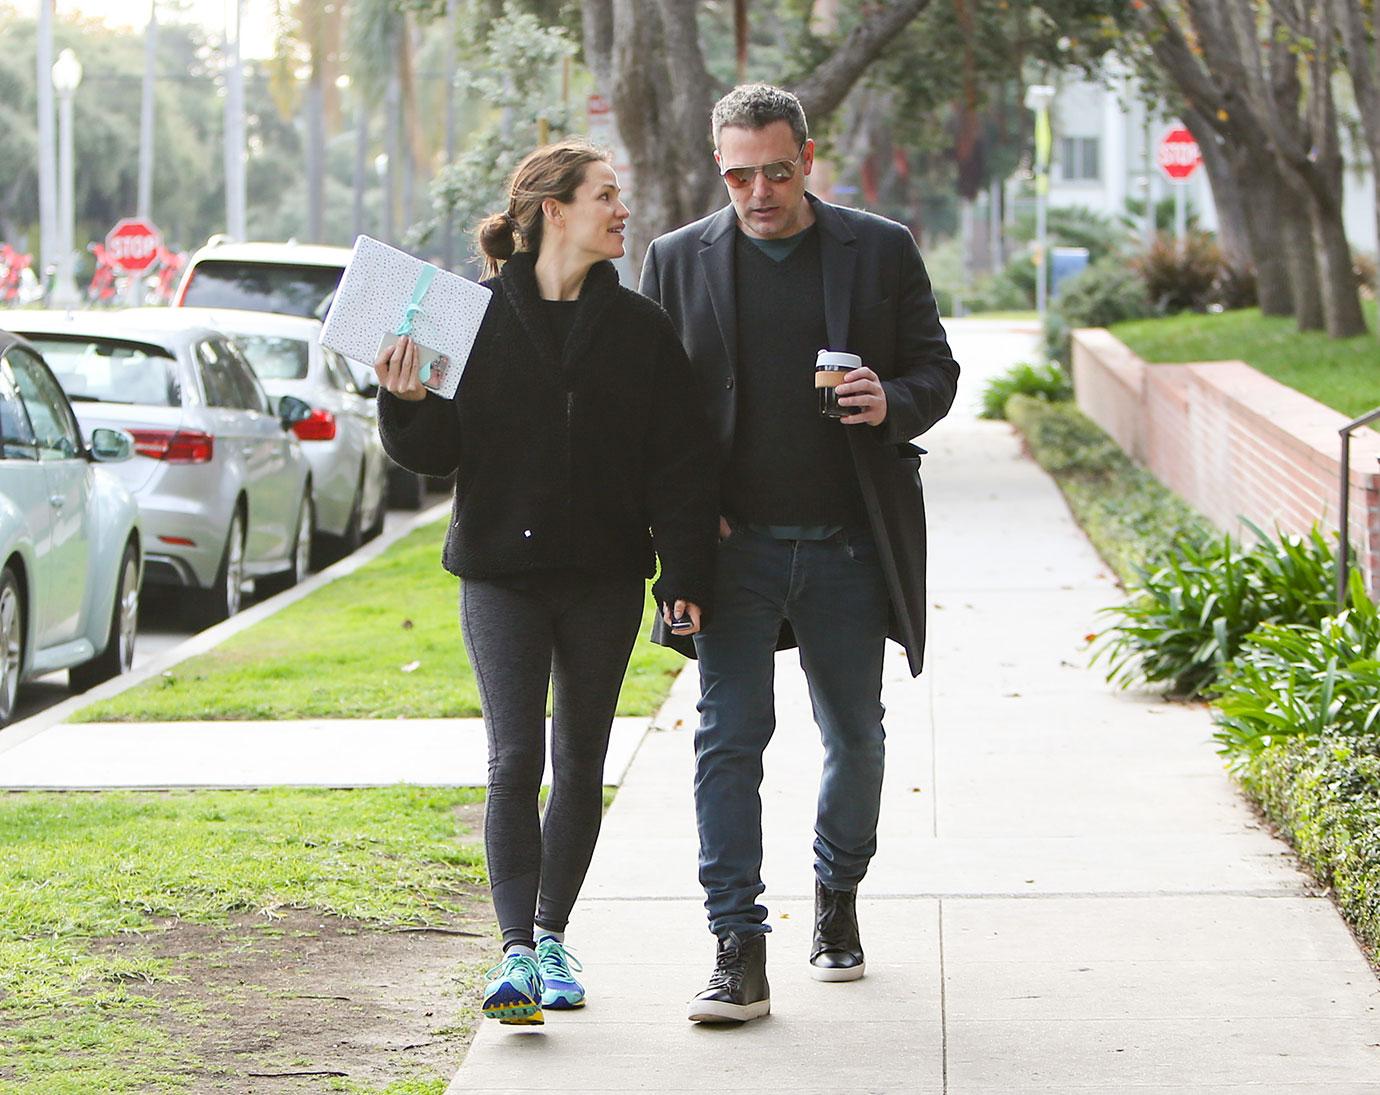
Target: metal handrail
{"points": [[1344, 548]]}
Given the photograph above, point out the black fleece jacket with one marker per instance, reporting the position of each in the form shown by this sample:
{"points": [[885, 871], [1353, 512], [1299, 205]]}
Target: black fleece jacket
{"points": [[595, 457]]}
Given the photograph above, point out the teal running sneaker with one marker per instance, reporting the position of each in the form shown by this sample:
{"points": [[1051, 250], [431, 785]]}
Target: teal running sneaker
{"points": [[514, 992], [562, 990]]}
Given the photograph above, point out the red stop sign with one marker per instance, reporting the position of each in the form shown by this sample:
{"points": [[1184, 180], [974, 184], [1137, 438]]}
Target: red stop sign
{"points": [[133, 245], [1178, 154]]}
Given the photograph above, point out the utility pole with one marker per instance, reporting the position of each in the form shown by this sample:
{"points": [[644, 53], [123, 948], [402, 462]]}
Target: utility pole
{"points": [[234, 131], [47, 145], [66, 78]]}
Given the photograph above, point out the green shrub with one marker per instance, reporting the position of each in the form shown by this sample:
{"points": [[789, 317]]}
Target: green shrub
{"points": [[1303, 680], [1187, 618], [1324, 794], [1180, 276], [1048, 382], [1010, 289], [1075, 226], [1106, 292], [1128, 514]]}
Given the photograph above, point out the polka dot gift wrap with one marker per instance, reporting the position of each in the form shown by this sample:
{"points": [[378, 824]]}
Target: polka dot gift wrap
{"points": [[372, 303]]}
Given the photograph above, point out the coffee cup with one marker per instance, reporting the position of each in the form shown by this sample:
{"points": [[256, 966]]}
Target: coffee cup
{"points": [[831, 366]]}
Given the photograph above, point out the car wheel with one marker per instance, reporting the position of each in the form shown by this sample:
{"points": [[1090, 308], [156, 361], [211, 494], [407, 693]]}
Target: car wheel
{"points": [[118, 654], [301, 551], [11, 643], [222, 600], [353, 536], [375, 528]]}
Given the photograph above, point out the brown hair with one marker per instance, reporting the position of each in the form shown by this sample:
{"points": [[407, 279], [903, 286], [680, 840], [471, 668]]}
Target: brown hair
{"points": [[552, 171]]}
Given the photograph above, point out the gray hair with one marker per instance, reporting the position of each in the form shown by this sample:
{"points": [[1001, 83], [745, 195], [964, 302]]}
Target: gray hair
{"points": [[756, 106]]}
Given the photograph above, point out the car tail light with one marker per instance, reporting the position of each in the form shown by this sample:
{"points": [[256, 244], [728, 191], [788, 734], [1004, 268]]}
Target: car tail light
{"points": [[318, 426], [174, 446]]}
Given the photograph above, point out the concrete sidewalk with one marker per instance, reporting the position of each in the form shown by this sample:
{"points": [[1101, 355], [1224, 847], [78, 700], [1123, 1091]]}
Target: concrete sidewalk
{"points": [[1069, 894]]}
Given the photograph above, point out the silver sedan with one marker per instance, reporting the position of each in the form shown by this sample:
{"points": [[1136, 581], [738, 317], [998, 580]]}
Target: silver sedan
{"points": [[340, 436], [223, 486], [71, 548]]}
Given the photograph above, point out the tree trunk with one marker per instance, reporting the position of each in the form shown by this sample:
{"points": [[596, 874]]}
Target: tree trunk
{"points": [[1264, 193], [1341, 302], [1297, 233], [316, 156]]}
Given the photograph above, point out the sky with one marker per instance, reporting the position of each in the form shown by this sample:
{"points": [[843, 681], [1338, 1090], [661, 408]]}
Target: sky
{"points": [[256, 26]]}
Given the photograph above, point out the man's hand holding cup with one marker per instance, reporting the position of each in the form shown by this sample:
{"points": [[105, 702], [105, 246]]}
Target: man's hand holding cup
{"points": [[848, 389]]}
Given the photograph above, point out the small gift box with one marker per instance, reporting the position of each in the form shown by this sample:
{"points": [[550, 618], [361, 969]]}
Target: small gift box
{"points": [[386, 293]]}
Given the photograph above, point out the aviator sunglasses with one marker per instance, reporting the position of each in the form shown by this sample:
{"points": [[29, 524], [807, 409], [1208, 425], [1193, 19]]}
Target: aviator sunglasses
{"points": [[777, 171]]}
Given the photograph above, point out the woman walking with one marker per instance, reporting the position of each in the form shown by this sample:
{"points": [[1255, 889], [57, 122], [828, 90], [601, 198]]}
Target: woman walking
{"points": [[579, 455]]}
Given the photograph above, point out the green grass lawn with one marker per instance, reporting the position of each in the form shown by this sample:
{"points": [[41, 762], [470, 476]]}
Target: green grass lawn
{"points": [[82, 867], [1342, 373], [383, 642]]}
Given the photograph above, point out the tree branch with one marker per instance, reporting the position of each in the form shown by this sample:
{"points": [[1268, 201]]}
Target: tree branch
{"points": [[824, 88]]}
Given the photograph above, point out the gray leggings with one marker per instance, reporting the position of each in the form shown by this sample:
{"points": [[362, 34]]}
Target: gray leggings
{"points": [[576, 635]]}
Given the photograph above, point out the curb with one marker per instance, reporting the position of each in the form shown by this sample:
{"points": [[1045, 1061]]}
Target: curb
{"points": [[18, 733]]}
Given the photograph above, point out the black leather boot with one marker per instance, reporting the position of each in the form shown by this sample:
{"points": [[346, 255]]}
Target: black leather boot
{"points": [[737, 988], [838, 953]]}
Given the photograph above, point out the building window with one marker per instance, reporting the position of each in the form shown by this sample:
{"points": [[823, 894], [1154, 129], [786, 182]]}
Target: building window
{"points": [[1078, 159]]}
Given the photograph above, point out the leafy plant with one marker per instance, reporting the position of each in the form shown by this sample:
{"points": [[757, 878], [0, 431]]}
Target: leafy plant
{"points": [[1296, 680], [1189, 617], [1107, 292], [1180, 275], [1076, 226], [1324, 794], [1048, 382]]}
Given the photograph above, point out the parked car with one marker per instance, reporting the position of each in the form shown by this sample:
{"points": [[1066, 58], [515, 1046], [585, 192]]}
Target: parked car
{"points": [[71, 544], [223, 486], [340, 436], [294, 279]]}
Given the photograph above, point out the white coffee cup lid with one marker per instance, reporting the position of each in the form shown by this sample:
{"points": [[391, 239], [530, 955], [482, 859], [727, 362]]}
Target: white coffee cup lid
{"points": [[837, 359]]}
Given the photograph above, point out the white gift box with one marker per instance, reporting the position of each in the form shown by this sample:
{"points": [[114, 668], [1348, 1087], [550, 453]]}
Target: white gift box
{"points": [[385, 293]]}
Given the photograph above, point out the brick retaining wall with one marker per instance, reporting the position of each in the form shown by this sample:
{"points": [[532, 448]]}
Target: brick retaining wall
{"points": [[1232, 442]]}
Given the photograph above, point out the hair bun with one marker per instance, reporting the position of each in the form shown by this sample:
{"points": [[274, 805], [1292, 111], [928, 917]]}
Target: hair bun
{"points": [[496, 237]]}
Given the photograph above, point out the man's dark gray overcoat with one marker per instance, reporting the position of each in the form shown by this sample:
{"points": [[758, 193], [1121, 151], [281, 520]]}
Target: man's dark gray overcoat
{"points": [[878, 304]]}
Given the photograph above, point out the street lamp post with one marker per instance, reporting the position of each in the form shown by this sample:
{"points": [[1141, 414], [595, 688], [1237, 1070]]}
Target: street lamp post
{"points": [[1038, 98], [66, 80]]}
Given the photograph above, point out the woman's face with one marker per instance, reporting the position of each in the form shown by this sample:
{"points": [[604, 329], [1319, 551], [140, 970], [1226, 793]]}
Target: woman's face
{"points": [[591, 224]]}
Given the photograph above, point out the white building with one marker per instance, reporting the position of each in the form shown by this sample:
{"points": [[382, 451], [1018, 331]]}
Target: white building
{"points": [[1103, 155]]}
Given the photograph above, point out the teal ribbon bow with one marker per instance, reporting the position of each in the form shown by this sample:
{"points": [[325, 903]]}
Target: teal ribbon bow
{"points": [[414, 309]]}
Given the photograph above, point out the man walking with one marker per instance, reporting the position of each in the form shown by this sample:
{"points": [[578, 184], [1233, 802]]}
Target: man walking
{"points": [[823, 534]]}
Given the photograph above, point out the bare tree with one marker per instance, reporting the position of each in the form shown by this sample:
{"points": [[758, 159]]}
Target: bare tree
{"points": [[647, 58]]}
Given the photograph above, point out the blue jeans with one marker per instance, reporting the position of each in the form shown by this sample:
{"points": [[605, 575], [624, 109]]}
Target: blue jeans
{"points": [[834, 595]]}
